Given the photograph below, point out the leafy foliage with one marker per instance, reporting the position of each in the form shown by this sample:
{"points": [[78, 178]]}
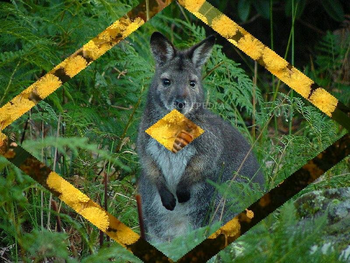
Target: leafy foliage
{"points": [[86, 130], [285, 240]]}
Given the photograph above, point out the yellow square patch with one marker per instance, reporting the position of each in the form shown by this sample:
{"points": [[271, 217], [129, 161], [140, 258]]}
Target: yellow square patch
{"points": [[174, 131]]}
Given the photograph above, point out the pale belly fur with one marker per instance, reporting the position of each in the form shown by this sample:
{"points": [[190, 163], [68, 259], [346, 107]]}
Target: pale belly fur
{"points": [[176, 222]]}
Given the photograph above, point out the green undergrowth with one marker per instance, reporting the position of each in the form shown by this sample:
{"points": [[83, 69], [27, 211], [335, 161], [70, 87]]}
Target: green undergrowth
{"points": [[87, 131]]}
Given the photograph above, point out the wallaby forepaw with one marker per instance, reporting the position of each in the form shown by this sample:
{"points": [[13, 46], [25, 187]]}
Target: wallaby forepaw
{"points": [[168, 200], [183, 195]]}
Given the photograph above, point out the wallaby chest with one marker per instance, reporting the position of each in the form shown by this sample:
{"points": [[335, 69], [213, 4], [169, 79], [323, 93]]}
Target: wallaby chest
{"points": [[172, 165]]}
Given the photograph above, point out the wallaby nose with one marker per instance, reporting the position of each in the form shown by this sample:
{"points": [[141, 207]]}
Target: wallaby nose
{"points": [[179, 104]]}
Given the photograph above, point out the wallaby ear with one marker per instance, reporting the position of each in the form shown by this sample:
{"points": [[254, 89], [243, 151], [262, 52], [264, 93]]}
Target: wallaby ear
{"points": [[201, 52], [163, 50]]}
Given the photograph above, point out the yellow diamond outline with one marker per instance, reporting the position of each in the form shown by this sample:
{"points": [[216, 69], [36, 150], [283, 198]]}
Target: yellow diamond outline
{"points": [[321, 99]]}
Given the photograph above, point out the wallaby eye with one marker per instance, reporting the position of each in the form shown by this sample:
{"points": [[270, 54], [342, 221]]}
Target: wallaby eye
{"points": [[192, 83], [166, 82]]}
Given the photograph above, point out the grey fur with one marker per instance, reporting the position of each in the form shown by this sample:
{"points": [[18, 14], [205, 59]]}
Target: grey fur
{"points": [[174, 188]]}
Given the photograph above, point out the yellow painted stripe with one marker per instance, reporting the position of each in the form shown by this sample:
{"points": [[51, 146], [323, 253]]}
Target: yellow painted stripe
{"points": [[67, 69], [254, 48]]}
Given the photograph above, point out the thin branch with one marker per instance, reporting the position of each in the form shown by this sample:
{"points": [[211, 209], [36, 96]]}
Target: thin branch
{"points": [[139, 210], [10, 82]]}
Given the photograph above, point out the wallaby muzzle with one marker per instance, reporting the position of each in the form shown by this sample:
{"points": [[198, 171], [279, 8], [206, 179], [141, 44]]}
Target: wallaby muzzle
{"points": [[180, 104]]}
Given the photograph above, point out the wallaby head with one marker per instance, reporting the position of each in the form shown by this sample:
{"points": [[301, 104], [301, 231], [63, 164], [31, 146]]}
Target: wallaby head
{"points": [[177, 81]]}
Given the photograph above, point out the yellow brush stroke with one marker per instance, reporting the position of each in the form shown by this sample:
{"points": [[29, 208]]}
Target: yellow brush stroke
{"points": [[257, 50], [49, 83], [224, 26], [325, 101], [192, 5], [84, 206], [230, 229]]}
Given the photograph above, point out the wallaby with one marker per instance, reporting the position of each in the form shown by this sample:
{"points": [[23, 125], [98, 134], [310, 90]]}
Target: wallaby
{"points": [[174, 187]]}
